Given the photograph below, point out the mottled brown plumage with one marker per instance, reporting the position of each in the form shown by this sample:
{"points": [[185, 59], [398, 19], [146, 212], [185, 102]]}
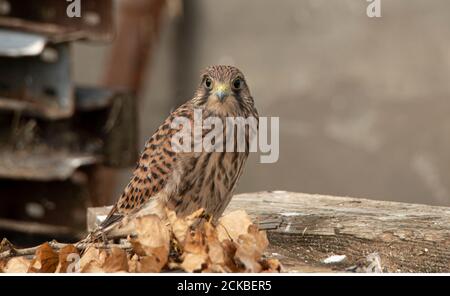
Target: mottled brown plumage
{"points": [[187, 181]]}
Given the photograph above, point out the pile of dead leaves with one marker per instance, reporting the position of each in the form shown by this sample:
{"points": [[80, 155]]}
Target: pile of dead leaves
{"points": [[235, 245]]}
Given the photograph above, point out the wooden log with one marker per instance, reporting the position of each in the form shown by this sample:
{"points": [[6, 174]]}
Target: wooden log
{"points": [[305, 227], [304, 230]]}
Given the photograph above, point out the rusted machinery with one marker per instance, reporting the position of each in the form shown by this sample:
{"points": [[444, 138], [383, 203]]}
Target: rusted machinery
{"points": [[52, 132]]}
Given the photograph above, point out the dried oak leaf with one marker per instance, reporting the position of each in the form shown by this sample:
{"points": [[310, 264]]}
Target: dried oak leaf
{"points": [[194, 262], [2, 264], [250, 248], [145, 264], [93, 260], [17, 265], [215, 250], [92, 267], [245, 256], [233, 224], [46, 260], [116, 261], [270, 265], [260, 238], [152, 244], [180, 226], [215, 268], [153, 237], [132, 263], [68, 260], [150, 264], [195, 242], [229, 249], [195, 256]]}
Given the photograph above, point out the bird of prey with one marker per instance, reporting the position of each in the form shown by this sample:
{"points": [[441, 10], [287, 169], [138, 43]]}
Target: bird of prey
{"points": [[187, 181]]}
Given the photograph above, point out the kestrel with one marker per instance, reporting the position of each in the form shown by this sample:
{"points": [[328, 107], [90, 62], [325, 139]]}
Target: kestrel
{"points": [[188, 181]]}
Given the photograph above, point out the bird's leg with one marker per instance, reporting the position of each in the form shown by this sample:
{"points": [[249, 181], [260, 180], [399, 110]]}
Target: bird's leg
{"points": [[104, 238]]}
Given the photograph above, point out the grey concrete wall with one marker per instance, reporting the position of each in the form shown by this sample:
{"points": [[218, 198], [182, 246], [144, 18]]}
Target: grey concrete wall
{"points": [[364, 104]]}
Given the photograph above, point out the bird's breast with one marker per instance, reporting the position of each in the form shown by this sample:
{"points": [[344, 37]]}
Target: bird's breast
{"points": [[207, 181]]}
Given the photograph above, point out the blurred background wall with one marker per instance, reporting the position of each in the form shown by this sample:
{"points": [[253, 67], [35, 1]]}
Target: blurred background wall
{"points": [[363, 102]]}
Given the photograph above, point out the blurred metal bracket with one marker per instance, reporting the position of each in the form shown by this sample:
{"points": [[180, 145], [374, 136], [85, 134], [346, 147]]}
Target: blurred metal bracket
{"points": [[38, 85], [103, 130], [50, 18], [42, 165], [18, 44]]}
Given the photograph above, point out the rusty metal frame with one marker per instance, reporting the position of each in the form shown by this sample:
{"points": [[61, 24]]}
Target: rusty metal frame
{"points": [[38, 85], [103, 130], [49, 18], [19, 44]]}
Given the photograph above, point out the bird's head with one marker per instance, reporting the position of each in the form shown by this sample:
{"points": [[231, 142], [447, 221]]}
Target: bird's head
{"points": [[223, 89]]}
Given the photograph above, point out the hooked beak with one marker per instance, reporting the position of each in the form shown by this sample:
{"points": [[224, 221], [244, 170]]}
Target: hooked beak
{"points": [[222, 91]]}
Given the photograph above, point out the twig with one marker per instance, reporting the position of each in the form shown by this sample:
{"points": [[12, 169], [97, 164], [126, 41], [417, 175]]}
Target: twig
{"points": [[13, 252]]}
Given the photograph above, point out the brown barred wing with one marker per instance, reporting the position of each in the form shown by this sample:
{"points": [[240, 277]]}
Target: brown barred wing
{"points": [[153, 171]]}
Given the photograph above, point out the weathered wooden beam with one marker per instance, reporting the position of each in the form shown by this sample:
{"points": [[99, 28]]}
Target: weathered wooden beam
{"points": [[305, 229]]}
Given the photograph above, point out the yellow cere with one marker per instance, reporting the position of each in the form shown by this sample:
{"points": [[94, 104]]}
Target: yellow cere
{"points": [[223, 88]]}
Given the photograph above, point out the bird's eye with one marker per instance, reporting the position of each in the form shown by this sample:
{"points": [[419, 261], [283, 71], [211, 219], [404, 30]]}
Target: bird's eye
{"points": [[237, 83], [208, 83]]}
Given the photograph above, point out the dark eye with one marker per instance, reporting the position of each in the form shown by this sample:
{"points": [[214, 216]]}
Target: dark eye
{"points": [[237, 83], [208, 83]]}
